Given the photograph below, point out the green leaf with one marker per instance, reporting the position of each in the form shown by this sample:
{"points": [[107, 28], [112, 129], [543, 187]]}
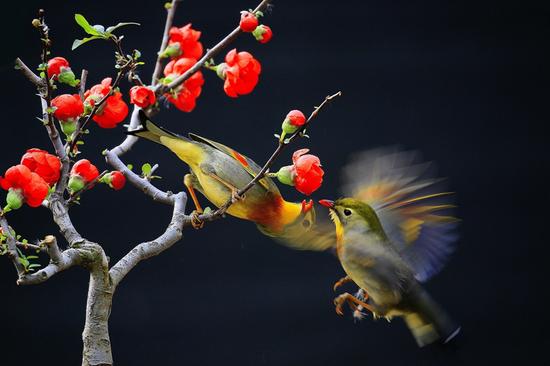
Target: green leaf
{"points": [[130, 166], [146, 169], [81, 21], [109, 30], [79, 42]]}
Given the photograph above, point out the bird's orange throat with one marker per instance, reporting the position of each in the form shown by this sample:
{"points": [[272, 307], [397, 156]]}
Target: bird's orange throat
{"points": [[277, 214]]}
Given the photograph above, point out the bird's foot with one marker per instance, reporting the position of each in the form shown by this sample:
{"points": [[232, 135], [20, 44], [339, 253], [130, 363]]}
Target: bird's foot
{"points": [[196, 222], [236, 197], [354, 303], [340, 282]]}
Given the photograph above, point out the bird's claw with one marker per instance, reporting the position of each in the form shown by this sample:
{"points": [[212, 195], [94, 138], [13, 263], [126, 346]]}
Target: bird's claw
{"points": [[236, 197], [339, 302], [196, 222], [340, 282], [358, 315]]}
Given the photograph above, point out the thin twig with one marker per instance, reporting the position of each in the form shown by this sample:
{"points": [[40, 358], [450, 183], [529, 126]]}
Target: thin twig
{"points": [[169, 20], [82, 88], [161, 89], [12, 245], [261, 174]]}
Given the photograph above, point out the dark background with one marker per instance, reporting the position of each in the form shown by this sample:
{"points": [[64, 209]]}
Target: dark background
{"points": [[462, 81]]}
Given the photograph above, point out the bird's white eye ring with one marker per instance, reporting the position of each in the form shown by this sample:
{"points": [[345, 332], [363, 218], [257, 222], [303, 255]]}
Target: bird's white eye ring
{"points": [[347, 212], [306, 223]]}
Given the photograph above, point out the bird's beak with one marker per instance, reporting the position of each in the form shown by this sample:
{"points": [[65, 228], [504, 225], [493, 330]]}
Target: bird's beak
{"points": [[327, 203]]}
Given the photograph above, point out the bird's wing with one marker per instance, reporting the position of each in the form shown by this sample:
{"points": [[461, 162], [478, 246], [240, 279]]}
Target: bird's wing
{"points": [[415, 213], [247, 164]]}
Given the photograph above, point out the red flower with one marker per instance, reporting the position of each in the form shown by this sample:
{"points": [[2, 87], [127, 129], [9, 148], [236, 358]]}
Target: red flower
{"points": [[68, 107], [186, 95], [262, 33], [116, 180], [24, 184], [241, 71], [45, 165], [55, 64], [113, 111], [186, 39], [308, 172], [248, 22], [142, 96], [84, 169]]}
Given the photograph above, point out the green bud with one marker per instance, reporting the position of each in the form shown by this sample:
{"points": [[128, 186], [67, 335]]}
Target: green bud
{"points": [[66, 76], [14, 199], [288, 128], [68, 127], [285, 175], [173, 50], [76, 183]]}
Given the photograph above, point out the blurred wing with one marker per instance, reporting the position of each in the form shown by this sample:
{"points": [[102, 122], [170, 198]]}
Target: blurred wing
{"points": [[319, 233], [246, 163], [413, 209]]}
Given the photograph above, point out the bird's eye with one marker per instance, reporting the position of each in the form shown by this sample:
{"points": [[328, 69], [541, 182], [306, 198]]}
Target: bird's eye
{"points": [[347, 212], [306, 223]]}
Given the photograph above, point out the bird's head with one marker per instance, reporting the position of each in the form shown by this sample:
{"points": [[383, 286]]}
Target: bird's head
{"points": [[351, 214]]}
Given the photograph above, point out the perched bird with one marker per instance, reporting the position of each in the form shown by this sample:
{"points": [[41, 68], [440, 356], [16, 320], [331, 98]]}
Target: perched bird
{"points": [[218, 172], [392, 234]]}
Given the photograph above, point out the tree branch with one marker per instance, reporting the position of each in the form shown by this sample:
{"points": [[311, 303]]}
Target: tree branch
{"points": [[12, 245], [171, 11], [152, 248], [29, 74], [161, 89], [141, 183]]}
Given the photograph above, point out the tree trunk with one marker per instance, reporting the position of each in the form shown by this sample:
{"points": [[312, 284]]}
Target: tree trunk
{"points": [[97, 344]]}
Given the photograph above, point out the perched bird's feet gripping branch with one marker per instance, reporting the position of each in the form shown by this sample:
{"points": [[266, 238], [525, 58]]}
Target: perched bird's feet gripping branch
{"points": [[353, 303], [196, 222], [341, 281]]}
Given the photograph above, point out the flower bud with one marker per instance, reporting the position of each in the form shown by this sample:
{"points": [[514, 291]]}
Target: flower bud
{"points": [[14, 199], [286, 175], [262, 33], [115, 179], [248, 22], [76, 183]]}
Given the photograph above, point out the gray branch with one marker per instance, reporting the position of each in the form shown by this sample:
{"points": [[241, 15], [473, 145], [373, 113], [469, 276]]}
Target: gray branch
{"points": [[12, 246], [152, 248], [165, 37], [29, 74]]}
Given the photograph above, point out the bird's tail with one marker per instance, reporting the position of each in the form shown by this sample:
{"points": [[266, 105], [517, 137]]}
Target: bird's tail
{"points": [[429, 322], [150, 131]]}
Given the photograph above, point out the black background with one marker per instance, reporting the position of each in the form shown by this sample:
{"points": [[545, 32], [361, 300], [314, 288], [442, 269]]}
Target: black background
{"points": [[461, 81]]}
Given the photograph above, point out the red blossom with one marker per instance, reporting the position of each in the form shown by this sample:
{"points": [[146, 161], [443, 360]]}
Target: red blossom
{"points": [[28, 184], [142, 96], [307, 170], [248, 22], [241, 72], [113, 111], [86, 170], [187, 39], [55, 64], [42, 163], [68, 107], [117, 180], [186, 95]]}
